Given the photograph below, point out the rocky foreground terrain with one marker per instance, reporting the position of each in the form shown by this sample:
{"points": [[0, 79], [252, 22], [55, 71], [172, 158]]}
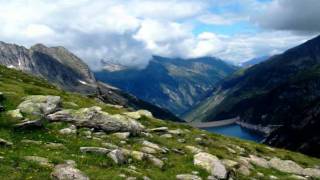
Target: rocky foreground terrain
{"points": [[46, 133]]}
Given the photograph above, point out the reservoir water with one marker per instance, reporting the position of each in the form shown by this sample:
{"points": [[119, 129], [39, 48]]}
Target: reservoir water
{"points": [[235, 130]]}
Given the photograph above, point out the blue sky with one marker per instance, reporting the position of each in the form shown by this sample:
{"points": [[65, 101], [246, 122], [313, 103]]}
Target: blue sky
{"points": [[131, 31]]}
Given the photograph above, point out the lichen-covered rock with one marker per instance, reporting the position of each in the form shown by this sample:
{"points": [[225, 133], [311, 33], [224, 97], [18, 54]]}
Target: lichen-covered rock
{"points": [[95, 118], [109, 146], [138, 114], [229, 163], [154, 160], [95, 150], [122, 135], [259, 161], [193, 149], [117, 156], [67, 172], [148, 150], [33, 142], [168, 136], [176, 132], [67, 131], [137, 155], [211, 164], [159, 129], [39, 104], [244, 170], [16, 114], [187, 177], [312, 172], [154, 146], [54, 146], [286, 166]]}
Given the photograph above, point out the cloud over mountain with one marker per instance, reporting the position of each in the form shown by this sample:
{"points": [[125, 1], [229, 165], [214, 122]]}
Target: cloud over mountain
{"points": [[130, 31]]}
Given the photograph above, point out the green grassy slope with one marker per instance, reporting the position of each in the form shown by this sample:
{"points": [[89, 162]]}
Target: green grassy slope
{"points": [[16, 85]]}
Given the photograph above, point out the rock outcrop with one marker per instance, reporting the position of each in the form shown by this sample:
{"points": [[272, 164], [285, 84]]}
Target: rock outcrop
{"points": [[67, 172], [95, 118], [211, 164]]}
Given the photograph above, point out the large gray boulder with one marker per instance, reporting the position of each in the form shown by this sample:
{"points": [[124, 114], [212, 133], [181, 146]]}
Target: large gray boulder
{"points": [[67, 172], [211, 164], [40, 104], [94, 117]]}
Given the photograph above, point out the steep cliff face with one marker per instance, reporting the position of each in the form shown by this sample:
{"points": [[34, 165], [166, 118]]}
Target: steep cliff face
{"points": [[176, 84], [281, 92], [64, 69]]}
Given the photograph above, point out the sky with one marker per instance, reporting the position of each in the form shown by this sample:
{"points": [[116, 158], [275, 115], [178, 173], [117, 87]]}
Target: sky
{"points": [[129, 32]]}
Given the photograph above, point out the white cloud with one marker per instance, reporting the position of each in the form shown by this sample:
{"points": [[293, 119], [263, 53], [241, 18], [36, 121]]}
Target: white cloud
{"points": [[215, 19], [130, 31]]}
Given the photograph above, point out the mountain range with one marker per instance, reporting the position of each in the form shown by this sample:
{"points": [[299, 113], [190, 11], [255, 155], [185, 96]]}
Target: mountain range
{"points": [[172, 83], [279, 96], [64, 69]]}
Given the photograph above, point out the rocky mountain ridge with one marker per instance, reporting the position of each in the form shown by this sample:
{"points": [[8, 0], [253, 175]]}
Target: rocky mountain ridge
{"points": [[64, 69], [280, 92], [172, 83]]}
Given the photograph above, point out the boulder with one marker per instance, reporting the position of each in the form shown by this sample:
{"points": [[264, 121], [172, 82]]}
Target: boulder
{"points": [[229, 163], [54, 146], [122, 135], [187, 177], [4, 142], [154, 146], [286, 166], [109, 146], [117, 156], [137, 155], [33, 142], [211, 164], [95, 150], [293, 176], [312, 172], [154, 160], [193, 149], [148, 150], [259, 161], [244, 170], [35, 124], [67, 131], [95, 118], [138, 114], [176, 132], [67, 172], [16, 114], [39, 104], [167, 136], [159, 129], [39, 160]]}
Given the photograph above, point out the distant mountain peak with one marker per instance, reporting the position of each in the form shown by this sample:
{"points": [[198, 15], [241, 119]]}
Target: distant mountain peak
{"points": [[112, 66]]}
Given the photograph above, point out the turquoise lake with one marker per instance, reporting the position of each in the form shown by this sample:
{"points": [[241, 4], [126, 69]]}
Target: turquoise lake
{"points": [[235, 130]]}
